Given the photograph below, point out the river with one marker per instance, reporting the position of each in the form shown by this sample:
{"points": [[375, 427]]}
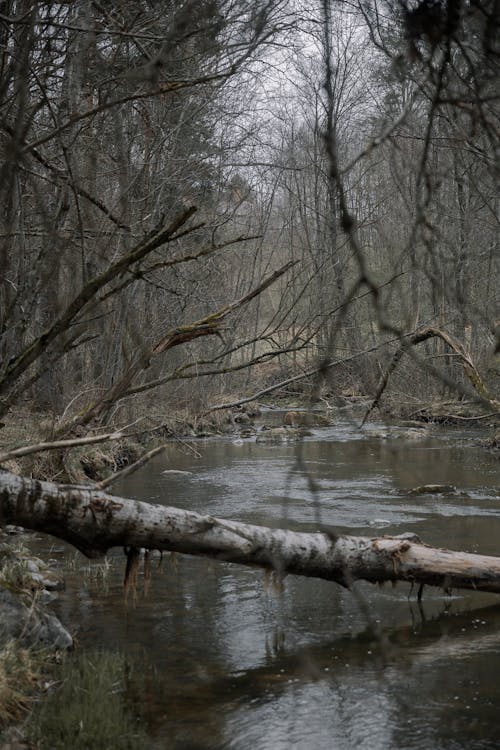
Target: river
{"points": [[226, 657]]}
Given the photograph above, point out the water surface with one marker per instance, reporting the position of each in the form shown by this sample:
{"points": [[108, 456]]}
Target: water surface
{"points": [[225, 657]]}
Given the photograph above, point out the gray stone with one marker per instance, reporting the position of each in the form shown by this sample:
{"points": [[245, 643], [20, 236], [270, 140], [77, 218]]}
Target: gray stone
{"points": [[33, 566], [30, 623], [13, 530], [48, 580]]}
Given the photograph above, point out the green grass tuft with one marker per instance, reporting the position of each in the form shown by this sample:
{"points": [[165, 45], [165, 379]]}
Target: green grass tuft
{"points": [[89, 710]]}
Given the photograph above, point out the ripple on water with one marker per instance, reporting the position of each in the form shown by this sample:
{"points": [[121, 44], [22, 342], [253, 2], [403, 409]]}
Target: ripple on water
{"points": [[240, 661]]}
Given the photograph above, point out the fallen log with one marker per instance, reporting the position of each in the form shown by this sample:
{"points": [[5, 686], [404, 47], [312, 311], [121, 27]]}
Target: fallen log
{"points": [[93, 522]]}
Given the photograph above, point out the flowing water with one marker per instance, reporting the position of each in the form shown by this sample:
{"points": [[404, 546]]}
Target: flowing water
{"points": [[224, 657]]}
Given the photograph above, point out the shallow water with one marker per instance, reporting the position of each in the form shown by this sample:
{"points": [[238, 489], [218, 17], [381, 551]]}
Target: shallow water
{"points": [[226, 659]]}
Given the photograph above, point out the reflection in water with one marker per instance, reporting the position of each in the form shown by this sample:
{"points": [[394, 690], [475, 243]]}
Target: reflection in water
{"points": [[229, 660]]}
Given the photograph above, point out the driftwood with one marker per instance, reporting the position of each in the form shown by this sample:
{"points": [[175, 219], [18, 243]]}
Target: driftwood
{"points": [[94, 521]]}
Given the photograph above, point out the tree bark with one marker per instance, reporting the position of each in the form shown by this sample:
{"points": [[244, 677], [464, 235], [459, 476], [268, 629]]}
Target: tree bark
{"points": [[94, 521]]}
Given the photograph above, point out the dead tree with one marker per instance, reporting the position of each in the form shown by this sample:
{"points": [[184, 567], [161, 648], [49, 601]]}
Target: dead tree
{"points": [[94, 521]]}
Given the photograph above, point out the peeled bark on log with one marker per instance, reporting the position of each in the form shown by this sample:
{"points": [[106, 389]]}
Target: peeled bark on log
{"points": [[94, 522]]}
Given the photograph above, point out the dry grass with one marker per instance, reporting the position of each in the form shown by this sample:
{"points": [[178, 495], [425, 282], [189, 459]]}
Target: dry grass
{"points": [[14, 573], [20, 673]]}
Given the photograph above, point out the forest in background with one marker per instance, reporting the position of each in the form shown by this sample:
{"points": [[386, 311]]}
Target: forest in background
{"points": [[202, 199]]}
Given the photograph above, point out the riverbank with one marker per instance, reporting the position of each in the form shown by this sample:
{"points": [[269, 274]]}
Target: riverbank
{"points": [[95, 462], [31, 637]]}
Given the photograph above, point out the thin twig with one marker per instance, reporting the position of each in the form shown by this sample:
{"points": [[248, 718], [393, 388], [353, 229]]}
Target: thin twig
{"points": [[130, 469]]}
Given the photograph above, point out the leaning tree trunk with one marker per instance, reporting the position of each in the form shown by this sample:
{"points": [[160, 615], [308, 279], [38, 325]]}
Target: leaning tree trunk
{"points": [[94, 521]]}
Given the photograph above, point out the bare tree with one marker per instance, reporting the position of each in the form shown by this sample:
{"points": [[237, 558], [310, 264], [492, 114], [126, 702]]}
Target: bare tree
{"points": [[111, 131]]}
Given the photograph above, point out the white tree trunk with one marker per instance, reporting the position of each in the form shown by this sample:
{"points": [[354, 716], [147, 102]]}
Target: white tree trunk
{"points": [[94, 521]]}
